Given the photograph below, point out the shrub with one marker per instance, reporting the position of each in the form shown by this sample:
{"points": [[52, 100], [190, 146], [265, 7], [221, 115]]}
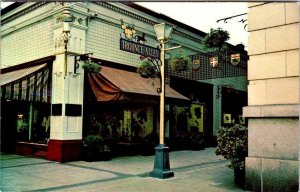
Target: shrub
{"points": [[93, 142], [233, 145]]}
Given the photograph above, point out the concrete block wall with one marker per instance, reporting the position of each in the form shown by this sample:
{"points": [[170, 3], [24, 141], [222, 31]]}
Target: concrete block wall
{"points": [[273, 97]]}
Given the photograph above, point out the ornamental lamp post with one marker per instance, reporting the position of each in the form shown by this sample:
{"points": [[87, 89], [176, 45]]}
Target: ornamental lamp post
{"points": [[162, 164]]}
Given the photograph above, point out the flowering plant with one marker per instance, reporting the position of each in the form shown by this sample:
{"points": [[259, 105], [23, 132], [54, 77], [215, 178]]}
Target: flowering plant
{"points": [[91, 66], [147, 69], [233, 145], [180, 63], [216, 38]]}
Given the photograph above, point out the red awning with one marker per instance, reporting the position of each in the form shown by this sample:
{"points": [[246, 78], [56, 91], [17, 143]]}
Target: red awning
{"points": [[119, 85]]}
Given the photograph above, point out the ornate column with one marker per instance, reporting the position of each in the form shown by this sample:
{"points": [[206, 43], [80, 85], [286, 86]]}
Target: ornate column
{"points": [[67, 83]]}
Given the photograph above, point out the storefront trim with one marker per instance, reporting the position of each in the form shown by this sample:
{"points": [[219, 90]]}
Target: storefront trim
{"points": [[63, 151]]}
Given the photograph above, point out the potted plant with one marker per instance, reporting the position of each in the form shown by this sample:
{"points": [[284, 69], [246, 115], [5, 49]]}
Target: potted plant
{"points": [[95, 148], [216, 38], [180, 63], [147, 69], [233, 146], [91, 66]]}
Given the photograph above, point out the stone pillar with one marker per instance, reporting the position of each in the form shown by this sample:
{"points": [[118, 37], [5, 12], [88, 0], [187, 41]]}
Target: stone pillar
{"points": [[67, 89], [273, 97]]}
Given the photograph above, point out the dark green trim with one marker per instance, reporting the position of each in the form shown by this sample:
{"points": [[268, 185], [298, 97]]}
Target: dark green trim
{"points": [[23, 12]]}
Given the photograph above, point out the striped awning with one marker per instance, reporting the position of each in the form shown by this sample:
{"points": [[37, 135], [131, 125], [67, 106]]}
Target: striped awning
{"points": [[27, 84]]}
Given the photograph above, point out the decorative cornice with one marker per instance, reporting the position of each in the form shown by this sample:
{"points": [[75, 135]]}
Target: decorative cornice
{"points": [[23, 12], [120, 10], [140, 18]]}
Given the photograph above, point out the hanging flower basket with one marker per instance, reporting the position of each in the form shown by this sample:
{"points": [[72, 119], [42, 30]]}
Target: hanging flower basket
{"points": [[91, 66], [216, 38], [147, 69], [180, 63]]}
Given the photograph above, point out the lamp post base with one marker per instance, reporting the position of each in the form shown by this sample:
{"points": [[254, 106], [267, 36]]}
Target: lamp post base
{"points": [[162, 163]]}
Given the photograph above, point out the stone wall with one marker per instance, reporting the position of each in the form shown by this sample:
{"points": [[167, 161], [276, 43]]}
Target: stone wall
{"points": [[273, 97]]}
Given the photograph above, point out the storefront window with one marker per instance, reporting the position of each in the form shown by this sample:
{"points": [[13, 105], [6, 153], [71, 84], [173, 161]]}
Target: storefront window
{"points": [[33, 123], [128, 124]]}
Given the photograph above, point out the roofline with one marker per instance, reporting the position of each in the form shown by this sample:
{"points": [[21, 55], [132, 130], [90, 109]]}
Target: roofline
{"points": [[134, 6], [164, 17], [11, 7]]}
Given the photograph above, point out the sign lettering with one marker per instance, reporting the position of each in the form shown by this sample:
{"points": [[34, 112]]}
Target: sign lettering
{"points": [[140, 49]]}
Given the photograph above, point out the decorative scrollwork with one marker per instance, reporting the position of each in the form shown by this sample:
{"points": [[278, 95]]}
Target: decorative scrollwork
{"points": [[157, 64], [241, 21]]}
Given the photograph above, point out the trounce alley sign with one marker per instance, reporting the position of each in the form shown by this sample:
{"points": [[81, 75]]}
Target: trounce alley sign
{"points": [[132, 43]]}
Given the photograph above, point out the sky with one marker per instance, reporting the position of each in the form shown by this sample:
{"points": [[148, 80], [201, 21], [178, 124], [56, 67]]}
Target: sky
{"points": [[203, 16]]}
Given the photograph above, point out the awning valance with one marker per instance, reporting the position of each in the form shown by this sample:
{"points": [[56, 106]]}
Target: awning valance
{"points": [[119, 85], [31, 83]]}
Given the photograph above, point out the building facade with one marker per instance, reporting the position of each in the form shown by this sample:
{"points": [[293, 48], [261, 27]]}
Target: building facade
{"points": [[50, 107], [273, 97]]}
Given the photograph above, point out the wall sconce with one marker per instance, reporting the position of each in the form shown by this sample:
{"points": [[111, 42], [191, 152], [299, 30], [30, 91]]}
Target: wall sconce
{"points": [[58, 74]]}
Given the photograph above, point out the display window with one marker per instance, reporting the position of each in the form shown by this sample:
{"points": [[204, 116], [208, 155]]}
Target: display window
{"points": [[33, 123], [127, 124]]}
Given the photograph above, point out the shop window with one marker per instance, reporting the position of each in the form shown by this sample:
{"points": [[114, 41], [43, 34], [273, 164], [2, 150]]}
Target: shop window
{"points": [[189, 119], [127, 125], [33, 123]]}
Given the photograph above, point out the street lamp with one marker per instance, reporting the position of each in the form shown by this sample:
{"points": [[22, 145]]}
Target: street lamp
{"points": [[162, 164]]}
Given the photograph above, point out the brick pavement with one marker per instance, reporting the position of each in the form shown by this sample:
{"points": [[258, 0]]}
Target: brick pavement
{"points": [[194, 171]]}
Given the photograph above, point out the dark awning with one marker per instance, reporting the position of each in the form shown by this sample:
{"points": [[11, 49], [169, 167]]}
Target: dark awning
{"points": [[119, 85]]}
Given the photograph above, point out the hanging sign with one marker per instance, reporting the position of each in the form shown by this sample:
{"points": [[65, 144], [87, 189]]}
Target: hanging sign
{"points": [[130, 42], [235, 59], [139, 49], [213, 62]]}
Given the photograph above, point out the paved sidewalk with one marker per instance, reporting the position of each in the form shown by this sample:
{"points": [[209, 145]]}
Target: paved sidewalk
{"points": [[194, 171]]}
